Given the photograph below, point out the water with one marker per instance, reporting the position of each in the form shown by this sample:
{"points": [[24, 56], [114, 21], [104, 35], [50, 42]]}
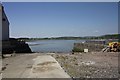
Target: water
{"points": [[52, 45]]}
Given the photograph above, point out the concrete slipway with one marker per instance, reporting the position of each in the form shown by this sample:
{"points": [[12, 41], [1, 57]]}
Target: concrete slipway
{"points": [[32, 66]]}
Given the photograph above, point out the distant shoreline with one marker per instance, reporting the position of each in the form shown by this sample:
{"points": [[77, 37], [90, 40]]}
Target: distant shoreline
{"points": [[110, 36]]}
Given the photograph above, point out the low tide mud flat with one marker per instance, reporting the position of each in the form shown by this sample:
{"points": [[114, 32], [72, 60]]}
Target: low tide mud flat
{"points": [[90, 65]]}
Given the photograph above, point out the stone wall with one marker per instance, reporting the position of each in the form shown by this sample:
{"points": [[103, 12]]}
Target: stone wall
{"points": [[90, 47], [15, 46]]}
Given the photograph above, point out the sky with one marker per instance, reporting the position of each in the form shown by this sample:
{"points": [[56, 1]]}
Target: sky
{"points": [[59, 0], [56, 19]]}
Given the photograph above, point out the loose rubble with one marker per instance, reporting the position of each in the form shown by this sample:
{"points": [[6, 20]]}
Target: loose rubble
{"points": [[90, 65]]}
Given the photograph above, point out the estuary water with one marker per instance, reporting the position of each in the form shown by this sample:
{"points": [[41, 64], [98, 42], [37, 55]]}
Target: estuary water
{"points": [[58, 46]]}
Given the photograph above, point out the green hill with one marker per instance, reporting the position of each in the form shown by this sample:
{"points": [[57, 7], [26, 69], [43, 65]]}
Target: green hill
{"points": [[108, 36]]}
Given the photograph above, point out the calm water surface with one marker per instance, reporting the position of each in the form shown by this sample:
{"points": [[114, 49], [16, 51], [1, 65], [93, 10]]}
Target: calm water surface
{"points": [[53, 45]]}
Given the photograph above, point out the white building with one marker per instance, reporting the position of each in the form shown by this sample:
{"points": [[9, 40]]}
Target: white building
{"points": [[4, 24]]}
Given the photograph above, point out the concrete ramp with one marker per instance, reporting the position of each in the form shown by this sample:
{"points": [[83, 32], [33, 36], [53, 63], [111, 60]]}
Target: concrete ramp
{"points": [[47, 67], [32, 66]]}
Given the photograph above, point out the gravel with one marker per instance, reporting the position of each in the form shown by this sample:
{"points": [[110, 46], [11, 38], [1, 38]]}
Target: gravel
{"points": [[90, 65]]}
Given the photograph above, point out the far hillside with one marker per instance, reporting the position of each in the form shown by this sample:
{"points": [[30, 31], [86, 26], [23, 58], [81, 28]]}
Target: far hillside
{"points": [[108, 36]]}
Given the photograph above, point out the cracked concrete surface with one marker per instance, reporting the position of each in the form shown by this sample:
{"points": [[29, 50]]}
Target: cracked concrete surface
{"points": [[32, 66]]}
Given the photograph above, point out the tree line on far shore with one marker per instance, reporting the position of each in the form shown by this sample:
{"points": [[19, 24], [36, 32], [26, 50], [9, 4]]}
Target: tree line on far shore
{"points": [[109, 36]]}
